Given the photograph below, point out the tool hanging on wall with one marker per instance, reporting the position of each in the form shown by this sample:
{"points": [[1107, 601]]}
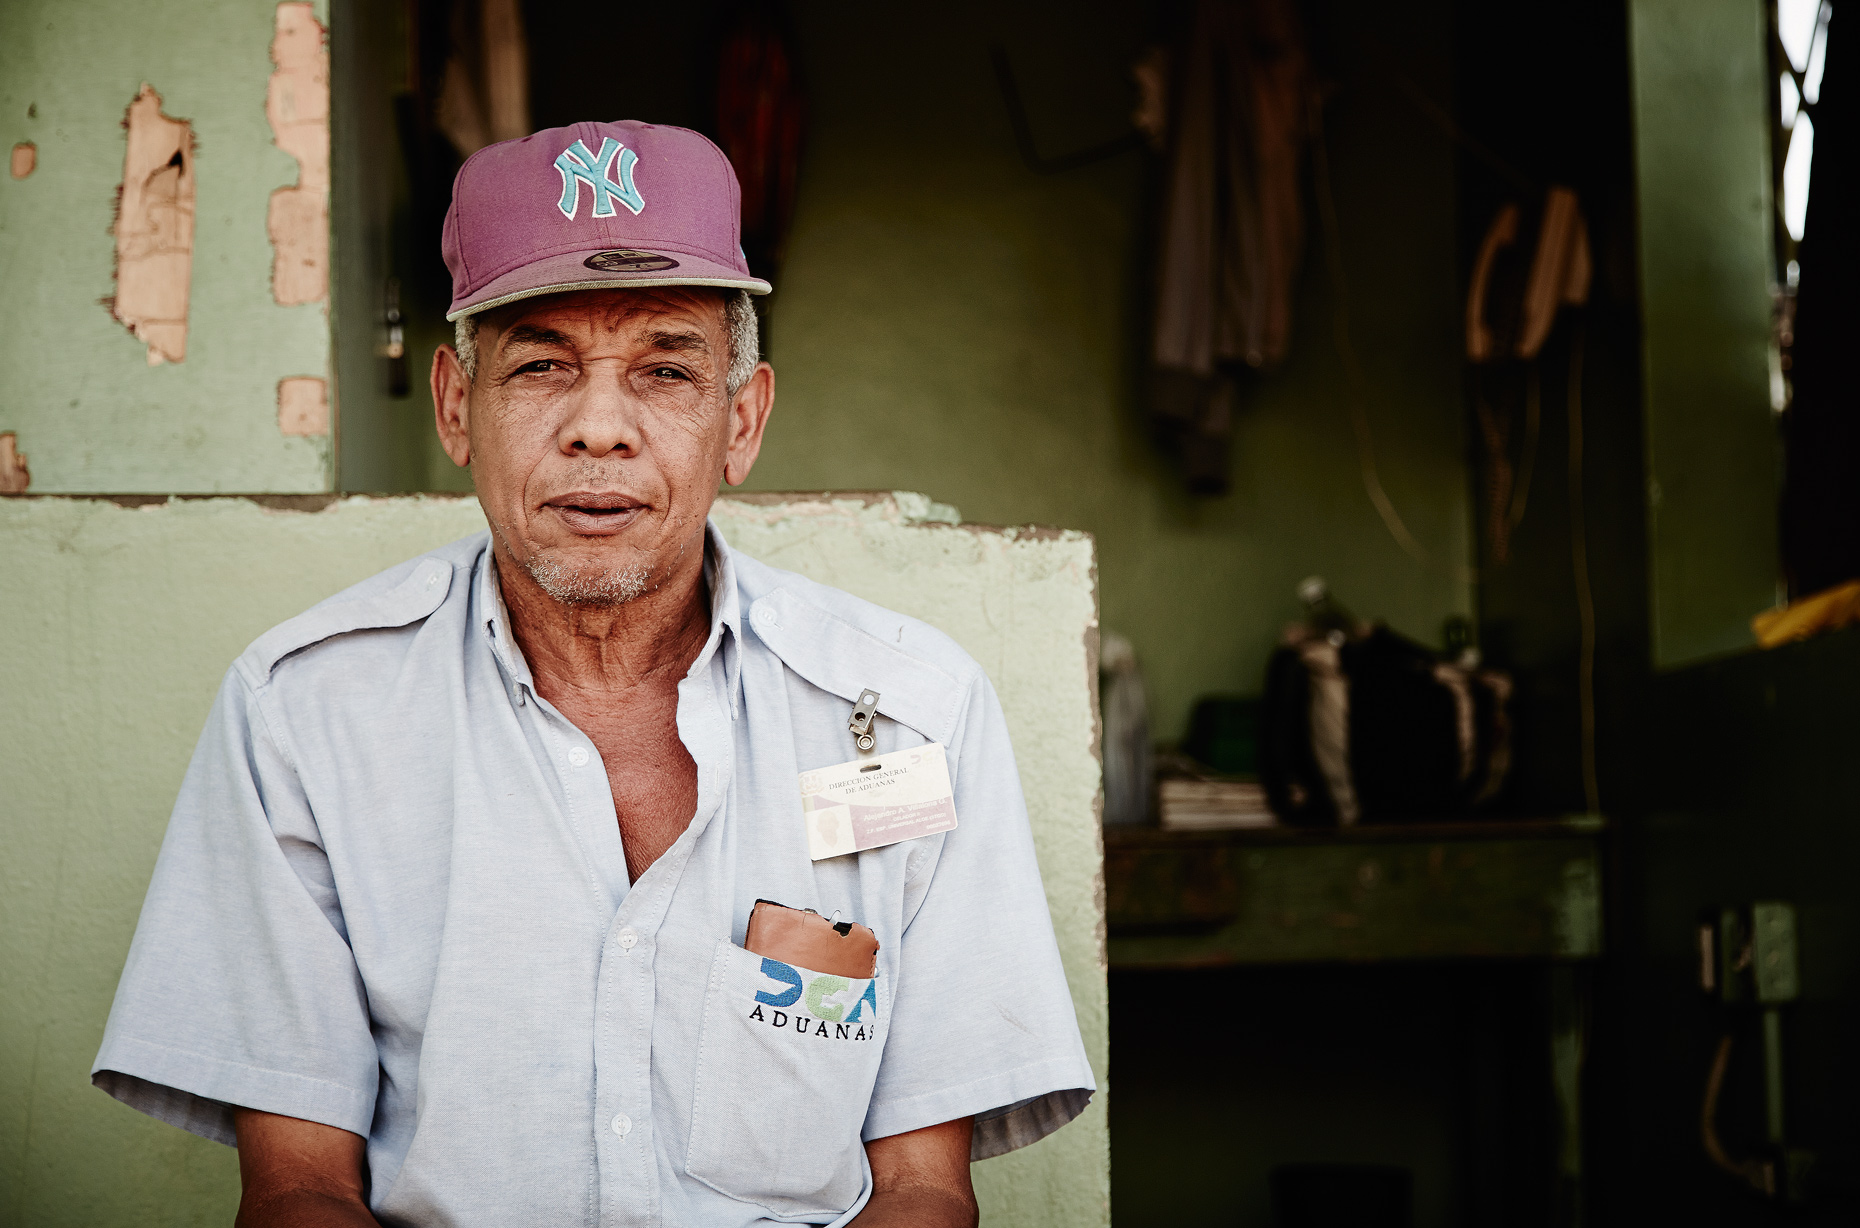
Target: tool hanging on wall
{"points": [[1511, 309], [1560, 272], [394, 343]]}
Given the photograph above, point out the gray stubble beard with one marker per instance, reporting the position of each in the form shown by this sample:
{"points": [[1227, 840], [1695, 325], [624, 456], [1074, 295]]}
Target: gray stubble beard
{"points": [[584, 586]]}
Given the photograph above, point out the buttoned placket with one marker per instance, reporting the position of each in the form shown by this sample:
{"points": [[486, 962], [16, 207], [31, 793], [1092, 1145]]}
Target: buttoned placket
{"points": [[628, 1144], [708, 704]]}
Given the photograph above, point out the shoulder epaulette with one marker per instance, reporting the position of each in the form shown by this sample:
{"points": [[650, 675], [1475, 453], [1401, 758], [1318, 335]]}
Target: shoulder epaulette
{"points": [[845, 645], [395, 598]]}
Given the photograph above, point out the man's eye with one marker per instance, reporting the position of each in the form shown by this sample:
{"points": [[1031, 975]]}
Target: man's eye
{"points": [[667, 373], [540, 365]]}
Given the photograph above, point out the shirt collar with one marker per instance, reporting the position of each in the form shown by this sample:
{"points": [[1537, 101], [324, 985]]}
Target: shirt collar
{"points": [[496, 619], [725, 615]]}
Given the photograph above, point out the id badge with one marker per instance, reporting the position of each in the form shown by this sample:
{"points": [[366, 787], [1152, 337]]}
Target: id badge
{"points": [[869, 803]]}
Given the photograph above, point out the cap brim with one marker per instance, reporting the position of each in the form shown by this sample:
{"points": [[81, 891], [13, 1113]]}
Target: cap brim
{"points": [[570, 271]]}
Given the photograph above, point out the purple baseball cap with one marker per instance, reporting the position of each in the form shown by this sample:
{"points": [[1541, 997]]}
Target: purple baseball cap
{"points": [[594, 206]]}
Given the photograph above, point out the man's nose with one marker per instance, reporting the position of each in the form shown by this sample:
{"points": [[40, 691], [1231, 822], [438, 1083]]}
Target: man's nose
{"points": [[603, 417]]}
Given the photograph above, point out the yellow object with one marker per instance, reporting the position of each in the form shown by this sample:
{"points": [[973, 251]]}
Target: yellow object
{"points": [[1828, 610]]}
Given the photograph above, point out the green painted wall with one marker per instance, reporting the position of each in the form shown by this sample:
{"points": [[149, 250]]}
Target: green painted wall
{"points": [[116, 624], [1701, 125], [949, 321], [91, 414]]}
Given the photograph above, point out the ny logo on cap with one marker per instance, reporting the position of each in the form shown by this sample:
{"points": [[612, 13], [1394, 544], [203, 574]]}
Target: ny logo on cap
{"points": [[578, 166]]}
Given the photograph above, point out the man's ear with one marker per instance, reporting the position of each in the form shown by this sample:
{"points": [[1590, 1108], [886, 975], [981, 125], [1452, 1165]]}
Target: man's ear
{"points": [[452, 405], [749, 415]]}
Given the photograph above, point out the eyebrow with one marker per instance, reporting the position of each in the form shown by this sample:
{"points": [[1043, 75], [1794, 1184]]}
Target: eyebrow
{"points": [[670, 342], [529, 334], [678, 342]]}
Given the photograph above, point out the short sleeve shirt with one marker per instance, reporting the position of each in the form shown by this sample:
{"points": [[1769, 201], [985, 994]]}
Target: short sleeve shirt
{"points": [[392, 898]]}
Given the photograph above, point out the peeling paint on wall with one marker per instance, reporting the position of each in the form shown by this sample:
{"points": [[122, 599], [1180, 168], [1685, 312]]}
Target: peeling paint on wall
{"points": [[155, 228], [106, 422], [25, 158], [303, 405], [14, 476], [297, 104]]}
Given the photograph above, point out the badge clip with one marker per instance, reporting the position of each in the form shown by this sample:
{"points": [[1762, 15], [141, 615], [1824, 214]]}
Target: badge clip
{"points": [[860, 725]]}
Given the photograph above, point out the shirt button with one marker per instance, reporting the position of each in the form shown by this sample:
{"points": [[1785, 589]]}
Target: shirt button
{"points": [[628, 938], [578, 756], [622, 1124], [765, 616]]}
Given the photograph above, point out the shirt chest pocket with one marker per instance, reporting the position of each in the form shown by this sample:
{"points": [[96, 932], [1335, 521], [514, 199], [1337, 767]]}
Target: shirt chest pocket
{"points": [[787, 1058]]}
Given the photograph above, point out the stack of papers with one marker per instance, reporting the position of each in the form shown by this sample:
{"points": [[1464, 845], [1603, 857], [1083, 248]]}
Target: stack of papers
{"points": [[1213, 805]]}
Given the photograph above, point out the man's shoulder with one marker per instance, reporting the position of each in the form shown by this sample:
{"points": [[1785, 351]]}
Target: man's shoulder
{"points": [[401, 597], [846, 645]]}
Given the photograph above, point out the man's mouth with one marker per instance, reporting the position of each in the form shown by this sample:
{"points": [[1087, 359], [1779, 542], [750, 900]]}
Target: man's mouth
{"points": [[592, 514]]}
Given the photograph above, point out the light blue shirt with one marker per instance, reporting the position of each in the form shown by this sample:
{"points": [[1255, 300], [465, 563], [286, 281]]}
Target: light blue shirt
{"points": [[392, 899]]}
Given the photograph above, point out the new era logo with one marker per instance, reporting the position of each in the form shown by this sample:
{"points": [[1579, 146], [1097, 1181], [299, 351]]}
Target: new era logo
{"points": [[578, 166]]}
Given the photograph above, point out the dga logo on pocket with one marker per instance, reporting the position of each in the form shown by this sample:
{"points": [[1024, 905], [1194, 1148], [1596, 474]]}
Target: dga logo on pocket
{"points": [[824, 1000]]}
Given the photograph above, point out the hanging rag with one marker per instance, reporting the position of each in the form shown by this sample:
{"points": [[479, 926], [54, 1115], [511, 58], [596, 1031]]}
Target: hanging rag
{"points": [[484, 97], [760, 114], [1232, 222]]}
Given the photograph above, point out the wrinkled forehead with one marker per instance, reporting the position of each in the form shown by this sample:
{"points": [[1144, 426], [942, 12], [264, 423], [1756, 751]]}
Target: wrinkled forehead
{"points": [[583, 315]]}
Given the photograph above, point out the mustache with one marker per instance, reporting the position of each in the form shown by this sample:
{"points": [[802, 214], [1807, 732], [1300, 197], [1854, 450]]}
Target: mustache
{"points": [[596, 468], [590, 474]]}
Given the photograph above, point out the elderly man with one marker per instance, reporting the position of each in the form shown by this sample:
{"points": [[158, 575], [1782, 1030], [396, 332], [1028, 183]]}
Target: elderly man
{"points": [[470, 910]]}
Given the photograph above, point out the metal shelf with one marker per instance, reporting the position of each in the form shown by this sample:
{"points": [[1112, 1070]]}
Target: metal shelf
{"points": [[1492, 889]]}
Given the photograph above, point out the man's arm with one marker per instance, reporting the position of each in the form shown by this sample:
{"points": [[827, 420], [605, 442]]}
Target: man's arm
{"points": [[299, 1174], [920, 1179]]}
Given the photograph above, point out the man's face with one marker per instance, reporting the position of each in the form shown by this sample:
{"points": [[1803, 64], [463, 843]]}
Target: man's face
{"points": [[597, 430]]}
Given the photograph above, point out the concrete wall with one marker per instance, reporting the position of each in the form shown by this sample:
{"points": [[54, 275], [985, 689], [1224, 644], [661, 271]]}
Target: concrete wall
{"points": [[115, 626], [91, 413]]}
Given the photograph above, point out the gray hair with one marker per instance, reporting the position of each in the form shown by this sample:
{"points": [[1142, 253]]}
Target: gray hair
{"points": [[739, 318]]}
